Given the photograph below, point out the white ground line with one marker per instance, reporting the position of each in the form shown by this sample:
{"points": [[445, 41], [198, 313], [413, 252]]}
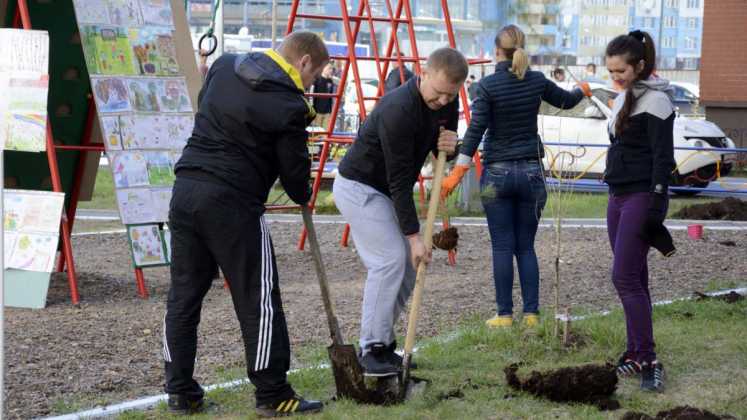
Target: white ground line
{"points": [[150, 402]]}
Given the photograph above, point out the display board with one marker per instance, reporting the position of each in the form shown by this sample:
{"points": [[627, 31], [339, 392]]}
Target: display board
{"points": [[145, 110]]}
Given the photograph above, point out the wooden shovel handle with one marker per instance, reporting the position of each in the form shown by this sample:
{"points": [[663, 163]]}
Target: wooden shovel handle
{"points": [[316, 254], [417, 294]]}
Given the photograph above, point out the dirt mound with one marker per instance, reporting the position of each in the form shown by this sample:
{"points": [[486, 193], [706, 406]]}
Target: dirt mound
{"points": [[591, 384], [678, 413], [728, 209], [731, 297], [447, 239]]}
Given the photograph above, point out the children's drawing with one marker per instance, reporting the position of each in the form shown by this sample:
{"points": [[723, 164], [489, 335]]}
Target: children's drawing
{"points": [[110, 94], [173, 96], [160, 170], [157, 12], [151, 131], [32, 211], [107, 50], [179, 130], [144, 94], [161, 201], [154, 51], [24, 50], [23, 121], [135, 206], [147, 245], [34, 252], [129, 169], [175, 156], [91, 11], [124, 12]]}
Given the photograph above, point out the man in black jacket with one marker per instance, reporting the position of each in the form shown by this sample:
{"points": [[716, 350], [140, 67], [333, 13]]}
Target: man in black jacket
{"points": [[374, 192], [250, 129]]}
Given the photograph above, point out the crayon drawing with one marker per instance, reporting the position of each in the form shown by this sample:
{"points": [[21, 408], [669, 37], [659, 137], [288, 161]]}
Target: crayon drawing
{"points": [[147, 245], [173, 96], [124, 12], [144, 94], [110, 94], [107, 50], [91, 11], [157, 12], [154, 51], [135, 206], [34, 252], [160, 170], [129, 169], [179, 130], [161, 200]]}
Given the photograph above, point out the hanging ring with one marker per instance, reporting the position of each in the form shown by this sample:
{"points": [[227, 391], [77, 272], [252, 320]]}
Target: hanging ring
{"points": [[210, 36]]}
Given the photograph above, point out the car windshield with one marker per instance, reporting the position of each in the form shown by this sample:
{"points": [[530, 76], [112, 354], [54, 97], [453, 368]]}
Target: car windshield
{"points": [[584, 109]]}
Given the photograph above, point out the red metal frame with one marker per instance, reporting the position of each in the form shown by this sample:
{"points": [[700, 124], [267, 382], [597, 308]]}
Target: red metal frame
{"points": [[351, 60]]}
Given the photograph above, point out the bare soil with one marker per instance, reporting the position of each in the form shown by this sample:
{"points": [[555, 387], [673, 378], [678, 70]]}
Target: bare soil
{"points": [[107, 350], [591, 384], [728, 209], [678, 413]]}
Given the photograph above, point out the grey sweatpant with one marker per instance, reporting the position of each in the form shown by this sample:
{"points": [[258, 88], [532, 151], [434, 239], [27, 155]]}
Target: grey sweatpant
{"points": [[384, 251]]}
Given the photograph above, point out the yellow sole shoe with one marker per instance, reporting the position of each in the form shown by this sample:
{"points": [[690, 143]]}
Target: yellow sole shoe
{"points": [[531, 320], [500, 321]]}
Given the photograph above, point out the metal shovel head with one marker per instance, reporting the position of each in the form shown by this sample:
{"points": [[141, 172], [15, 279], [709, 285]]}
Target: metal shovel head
{"points": [[349, 378]]}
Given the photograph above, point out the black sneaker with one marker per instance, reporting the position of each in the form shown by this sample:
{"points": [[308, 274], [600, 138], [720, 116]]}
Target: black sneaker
{"points": [[184, 405], [395, 358], [289, 407], [652, 376], [627, 366], [378, 362]]}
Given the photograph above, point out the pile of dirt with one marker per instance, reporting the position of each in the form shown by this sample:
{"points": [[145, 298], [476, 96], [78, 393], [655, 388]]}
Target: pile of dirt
{"points": [[447, 239], [678, 413], [728, 209], [591, 384], [731, 297]]}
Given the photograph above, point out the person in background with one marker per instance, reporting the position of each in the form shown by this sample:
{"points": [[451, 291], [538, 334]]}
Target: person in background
{"points": [[471, 87], [323, 106], [512, 186], [397, 76], [590, 74], [639, 168], [558, 74], [250, 130]]}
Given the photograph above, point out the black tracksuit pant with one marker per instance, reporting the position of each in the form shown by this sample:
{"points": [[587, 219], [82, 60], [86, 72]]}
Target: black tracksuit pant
{"points": [[209, 226]]}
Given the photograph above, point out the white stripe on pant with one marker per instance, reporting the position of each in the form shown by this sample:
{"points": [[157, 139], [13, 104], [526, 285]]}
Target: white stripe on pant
{"points": [[384, 251], [262, 358]]}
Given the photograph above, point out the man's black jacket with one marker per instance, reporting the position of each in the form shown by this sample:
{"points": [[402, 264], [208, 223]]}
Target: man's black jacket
{"points": [[394, 80], [392, 145], [250, 128]]}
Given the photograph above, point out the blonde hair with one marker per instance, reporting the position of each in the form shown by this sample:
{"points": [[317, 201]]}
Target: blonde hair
{"points": [[511, 40], [299, 43]]}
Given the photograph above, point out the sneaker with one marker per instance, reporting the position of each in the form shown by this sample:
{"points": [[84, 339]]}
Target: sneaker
{"points": [[500, 321], [531, 320], [652, 376], [183, 405], [289, 407], [395, 358], [378, 362], [627, 366]]}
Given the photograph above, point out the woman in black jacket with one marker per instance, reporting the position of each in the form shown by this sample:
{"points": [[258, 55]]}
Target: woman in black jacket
{"points": [[512, 185], [640, 162]]}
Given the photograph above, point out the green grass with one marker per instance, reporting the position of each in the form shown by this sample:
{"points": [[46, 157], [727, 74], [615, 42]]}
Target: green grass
{"points": [[574, 205], [701, 344]]}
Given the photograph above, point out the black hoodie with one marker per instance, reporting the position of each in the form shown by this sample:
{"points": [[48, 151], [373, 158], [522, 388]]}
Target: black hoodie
{"points": [[250, 128]]}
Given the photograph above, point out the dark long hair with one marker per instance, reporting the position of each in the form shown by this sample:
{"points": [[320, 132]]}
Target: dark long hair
{"points": [[633, 47]]}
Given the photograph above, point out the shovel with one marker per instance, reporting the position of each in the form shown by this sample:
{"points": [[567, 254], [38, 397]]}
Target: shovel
{"points": [[408, 385], [346, 368]]}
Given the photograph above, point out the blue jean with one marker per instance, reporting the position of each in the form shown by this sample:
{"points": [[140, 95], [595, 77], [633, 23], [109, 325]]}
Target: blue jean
{"points": [[513, 194]]}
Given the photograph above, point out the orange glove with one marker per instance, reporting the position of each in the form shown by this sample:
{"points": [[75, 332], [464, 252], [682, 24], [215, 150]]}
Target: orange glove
{"points": [[455, 177], [584, 86]]}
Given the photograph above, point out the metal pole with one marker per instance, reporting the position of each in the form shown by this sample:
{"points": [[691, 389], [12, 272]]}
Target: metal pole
{"points": [[219, 27], [659, 52], [274, 22]]}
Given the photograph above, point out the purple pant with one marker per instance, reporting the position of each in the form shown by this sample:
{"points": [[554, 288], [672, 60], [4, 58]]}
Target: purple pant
{"points": [[625, 217]]}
